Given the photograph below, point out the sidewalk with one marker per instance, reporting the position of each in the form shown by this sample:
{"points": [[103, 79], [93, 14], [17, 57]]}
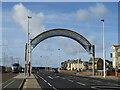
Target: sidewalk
{"points": [[28, 83], [31, 83], [107, 77], [101, 77], [88, 75]]}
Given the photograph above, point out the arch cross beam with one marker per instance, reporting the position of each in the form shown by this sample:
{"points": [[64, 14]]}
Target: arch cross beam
{"points": [[62, 32]]}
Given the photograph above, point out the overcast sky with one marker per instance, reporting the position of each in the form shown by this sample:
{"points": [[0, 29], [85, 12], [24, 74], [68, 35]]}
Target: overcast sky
{"points": [[83, 18]]}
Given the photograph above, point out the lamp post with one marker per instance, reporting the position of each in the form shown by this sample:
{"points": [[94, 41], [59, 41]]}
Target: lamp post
{"points": [[59, 53], [102, 20], [41, 58], [28, 61]]}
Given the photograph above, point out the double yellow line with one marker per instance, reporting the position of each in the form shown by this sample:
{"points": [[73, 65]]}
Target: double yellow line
{"points": [[36, 76], [25, 85], [26, 82]]}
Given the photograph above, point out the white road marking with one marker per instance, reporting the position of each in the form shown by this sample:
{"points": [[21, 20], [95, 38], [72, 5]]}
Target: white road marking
{"points": [[63, 78], [50, 77], [57, 76], [8, 84], [54, 88], [98, 81], [47, 82], [95, 88], [80, 83], [6, 81], [70, 80], [106, 86]]}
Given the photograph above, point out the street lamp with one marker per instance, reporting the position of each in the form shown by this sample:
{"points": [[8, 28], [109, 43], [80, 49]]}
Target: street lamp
{"points": [[59, 54], [102, 20], [41, 63], [28, 61]]}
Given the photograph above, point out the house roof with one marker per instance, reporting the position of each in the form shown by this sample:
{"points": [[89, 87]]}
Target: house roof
{"points": [[116, 45], [96, 59]]}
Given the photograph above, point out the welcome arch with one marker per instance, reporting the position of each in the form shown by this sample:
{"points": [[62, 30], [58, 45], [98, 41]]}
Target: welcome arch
{"points": [[65, 33]]}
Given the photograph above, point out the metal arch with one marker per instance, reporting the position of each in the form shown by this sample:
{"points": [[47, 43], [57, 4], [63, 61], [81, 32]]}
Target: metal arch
{"points": [[62, 32]]}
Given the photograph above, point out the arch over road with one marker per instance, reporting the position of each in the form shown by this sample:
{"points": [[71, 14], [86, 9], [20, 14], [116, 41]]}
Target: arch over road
{"points": [[62, 32], [57, 32]]}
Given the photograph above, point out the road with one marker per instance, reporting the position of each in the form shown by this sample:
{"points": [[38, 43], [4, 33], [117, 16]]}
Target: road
{"points": [[7, 76], [56, 81], [10, 81]]}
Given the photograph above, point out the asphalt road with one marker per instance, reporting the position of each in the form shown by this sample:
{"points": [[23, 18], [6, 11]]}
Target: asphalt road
{"points": [[9, 82], [60, 81], [7, 76], [13, 83]]}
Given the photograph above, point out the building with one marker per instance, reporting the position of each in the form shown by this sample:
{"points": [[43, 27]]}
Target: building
{"points": [[74, 65], [116, 56], [64, 65], [99, 64]]}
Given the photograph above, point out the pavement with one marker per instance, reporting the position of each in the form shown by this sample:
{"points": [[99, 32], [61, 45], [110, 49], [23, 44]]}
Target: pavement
{"points": [[114, 78], [31, 83], [111, 78]]}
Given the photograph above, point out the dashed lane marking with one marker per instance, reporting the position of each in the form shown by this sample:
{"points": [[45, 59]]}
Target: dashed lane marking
{"points": [[57, 76], [50, 77], [80, 83], [95, 88], [47, 82], [70, 80], [63, 78]]}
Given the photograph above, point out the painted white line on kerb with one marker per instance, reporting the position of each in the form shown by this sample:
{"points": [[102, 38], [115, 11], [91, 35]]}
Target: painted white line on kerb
{"points": [[70, 80], [47, 82], [80, 83], [50, 77], [8, 84]]}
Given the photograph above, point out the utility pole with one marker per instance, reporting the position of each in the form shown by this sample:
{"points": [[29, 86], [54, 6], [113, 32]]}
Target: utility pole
{"points": [[4, 58], [28, 61], [78, 64], [93, 61], [104, 49]]}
